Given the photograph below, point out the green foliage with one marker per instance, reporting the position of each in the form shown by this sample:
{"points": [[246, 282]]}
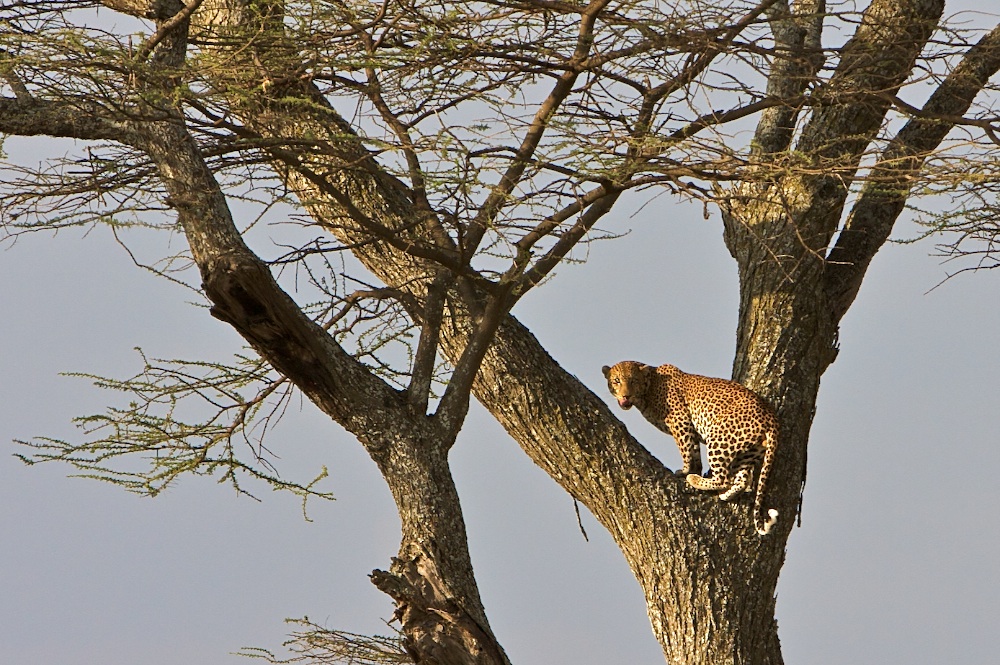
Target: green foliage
{"points": [[966, 220], [182, 417], [317, 645]]}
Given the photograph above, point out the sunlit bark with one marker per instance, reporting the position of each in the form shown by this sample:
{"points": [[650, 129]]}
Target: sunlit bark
{"points": [[708, 578]]}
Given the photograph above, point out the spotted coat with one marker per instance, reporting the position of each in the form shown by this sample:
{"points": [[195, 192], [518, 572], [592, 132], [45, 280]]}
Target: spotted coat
{"points": [[739, 429]]}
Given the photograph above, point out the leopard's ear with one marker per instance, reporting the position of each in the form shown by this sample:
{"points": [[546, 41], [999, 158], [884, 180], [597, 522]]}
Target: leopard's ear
{"points": [[606, 371]]}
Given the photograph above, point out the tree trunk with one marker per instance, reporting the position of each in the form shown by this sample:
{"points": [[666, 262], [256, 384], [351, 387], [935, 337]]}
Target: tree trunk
{"points": [[708, 578], [431, 579]]}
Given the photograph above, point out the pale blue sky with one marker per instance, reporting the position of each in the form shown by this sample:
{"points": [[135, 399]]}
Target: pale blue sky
{"points": [[895, 562]]}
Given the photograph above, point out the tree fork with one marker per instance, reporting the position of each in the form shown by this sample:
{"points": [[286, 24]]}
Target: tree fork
{"points": [[431, 579], [410, 448], [707, 576], [709, 580]]}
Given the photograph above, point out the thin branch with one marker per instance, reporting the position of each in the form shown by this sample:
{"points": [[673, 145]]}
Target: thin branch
{"points": [[696, 65], [454, 403], [566, 242], [536, 130], [8, 74], [405, 243], [381, 294], [714, 118], [553, 221]]}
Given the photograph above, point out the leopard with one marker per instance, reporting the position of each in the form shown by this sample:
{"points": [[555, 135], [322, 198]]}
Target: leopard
{"points": [[739, 429]]}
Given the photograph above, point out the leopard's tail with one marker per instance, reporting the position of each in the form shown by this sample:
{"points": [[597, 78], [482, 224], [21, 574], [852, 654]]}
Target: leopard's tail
{"points": [[762, 526]]}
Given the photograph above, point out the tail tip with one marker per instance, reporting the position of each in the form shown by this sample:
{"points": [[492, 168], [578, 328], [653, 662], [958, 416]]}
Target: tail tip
{"points": [[772, 517]]}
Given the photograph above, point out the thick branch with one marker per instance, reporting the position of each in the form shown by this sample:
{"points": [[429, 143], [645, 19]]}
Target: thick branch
{"points": [[877, 59], [797, 215], [77, 119], [245, 295], [149, 9], [418, 392], [424, 604], [798, 58], [888, 187]]}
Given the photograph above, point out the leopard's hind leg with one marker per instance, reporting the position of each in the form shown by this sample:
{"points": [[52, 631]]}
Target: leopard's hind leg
{"points": [[732, 472], [742, 483], [720, 478], [717, 481], [744, 465]]}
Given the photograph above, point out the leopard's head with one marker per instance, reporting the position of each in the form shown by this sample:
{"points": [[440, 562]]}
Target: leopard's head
{"points": [[628, 381]]}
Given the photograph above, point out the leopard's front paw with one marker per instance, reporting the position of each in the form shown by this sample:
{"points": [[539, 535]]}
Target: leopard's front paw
{"points": [[694, 480], [688, 469]]}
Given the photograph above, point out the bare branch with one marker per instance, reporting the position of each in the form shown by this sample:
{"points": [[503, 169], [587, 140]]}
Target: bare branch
{"points": [[536, 129], [313, 644], [570, 239]]}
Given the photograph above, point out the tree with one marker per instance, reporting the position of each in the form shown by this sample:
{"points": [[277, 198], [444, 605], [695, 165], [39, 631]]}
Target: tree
{"points": [[484, 142]]}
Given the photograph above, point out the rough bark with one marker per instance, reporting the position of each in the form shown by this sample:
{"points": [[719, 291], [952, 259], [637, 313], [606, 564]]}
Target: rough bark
{"points": [[708, 578], [431, 579]]}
